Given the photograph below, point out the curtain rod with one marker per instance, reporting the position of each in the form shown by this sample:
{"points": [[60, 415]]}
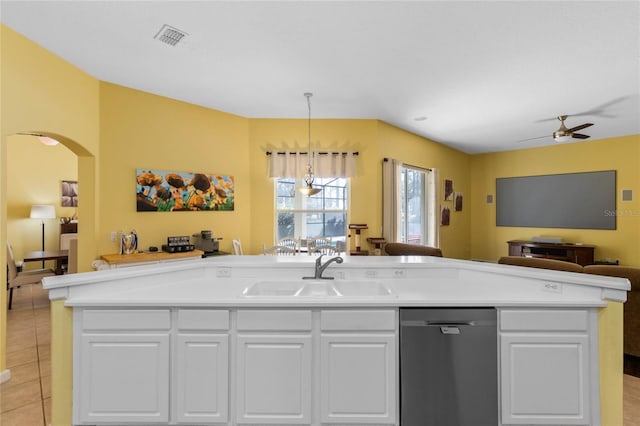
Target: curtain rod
{"points": [[319, 153], [385, 159]]}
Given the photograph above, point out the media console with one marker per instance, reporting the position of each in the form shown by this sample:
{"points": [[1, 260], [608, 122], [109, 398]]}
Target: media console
{"points": [[581, 254]]}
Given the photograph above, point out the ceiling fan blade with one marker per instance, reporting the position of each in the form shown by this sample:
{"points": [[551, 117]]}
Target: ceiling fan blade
{"points": [[580, 136], [580, 127]]}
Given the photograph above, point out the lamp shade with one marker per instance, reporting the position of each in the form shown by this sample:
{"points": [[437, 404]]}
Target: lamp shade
{"points": [[43, 211]]}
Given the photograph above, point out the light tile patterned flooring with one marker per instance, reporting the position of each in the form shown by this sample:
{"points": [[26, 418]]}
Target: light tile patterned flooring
{"points": [[25, 400]]}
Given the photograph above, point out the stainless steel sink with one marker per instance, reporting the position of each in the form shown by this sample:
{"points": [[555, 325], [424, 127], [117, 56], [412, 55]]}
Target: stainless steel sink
{"points": [[317, 288]]}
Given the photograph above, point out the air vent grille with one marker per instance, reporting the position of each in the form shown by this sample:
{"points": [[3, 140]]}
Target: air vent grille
{"points": [[170, 35]]}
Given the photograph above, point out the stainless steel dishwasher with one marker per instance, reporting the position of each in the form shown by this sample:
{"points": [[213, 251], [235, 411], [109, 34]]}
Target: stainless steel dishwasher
{"points": [[448, 367]]}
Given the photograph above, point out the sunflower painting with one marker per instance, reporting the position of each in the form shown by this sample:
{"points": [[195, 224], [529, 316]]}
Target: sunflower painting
{"points": [[160, 191]]}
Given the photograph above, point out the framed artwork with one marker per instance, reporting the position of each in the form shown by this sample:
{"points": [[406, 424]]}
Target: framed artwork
{"points": [[448, 189], [69, 193], [167, 191], [445, 216], [457, 201]]}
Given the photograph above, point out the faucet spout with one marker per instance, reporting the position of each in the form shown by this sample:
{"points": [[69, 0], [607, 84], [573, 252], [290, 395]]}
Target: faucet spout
{"points": [[319, 269]]}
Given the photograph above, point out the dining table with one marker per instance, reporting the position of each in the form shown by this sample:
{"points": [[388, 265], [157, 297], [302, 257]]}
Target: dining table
{"points": [[61, 258]]}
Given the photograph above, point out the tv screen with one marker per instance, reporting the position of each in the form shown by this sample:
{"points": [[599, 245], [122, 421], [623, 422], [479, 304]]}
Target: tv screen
{"points": [[571, 200]]}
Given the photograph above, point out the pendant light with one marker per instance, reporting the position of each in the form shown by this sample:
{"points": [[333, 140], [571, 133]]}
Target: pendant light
{"points": [[308, 189]]}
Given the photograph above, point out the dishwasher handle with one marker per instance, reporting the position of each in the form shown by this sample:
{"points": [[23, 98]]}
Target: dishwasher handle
{"points": [[427, 323]]}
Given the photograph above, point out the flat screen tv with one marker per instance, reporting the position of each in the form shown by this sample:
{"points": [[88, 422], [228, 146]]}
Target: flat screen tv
{"points": [[571, 200]]}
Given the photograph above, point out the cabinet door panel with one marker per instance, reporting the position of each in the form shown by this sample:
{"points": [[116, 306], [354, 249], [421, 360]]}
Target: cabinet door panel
{"points": [[124, 378], [358, 378], [545, 379], [202, 378], [274, 379]]}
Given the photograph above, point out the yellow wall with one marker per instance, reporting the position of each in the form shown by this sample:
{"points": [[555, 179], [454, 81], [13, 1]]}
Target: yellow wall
{"points": [[139, 131], [114, 130], [489, 241], [451, 164], [34, 175], [42, 93]]}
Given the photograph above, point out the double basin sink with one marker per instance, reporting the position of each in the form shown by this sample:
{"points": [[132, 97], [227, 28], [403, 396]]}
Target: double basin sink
{"points": [[317, 288]]}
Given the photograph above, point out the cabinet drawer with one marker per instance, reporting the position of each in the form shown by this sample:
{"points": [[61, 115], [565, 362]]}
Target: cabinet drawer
{"points": [[126, 319], [544, 320], [203, 319], [265, 320], [383, 319]]}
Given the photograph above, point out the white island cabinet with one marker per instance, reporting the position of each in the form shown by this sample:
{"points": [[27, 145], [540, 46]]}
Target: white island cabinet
{"points": [[200, 393], [545, 364], [358, 368], [121, 366], [188, 344], [274, 367]]}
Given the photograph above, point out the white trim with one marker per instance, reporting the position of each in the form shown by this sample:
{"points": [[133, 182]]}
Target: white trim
{"points": [[5, 376]]}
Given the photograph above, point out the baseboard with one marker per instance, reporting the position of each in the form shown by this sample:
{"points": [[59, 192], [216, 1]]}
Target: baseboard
{"points": [[5, 376]]}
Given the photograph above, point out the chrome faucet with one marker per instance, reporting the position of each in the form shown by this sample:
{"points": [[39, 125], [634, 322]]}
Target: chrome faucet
{"points": [[320, 268]]}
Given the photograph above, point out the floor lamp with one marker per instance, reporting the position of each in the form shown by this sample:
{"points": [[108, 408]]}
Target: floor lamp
{"points": [[42, 212]]}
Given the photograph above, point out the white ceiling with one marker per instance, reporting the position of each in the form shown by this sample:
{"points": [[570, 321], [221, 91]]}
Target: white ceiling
{"points": [[486, 75]]}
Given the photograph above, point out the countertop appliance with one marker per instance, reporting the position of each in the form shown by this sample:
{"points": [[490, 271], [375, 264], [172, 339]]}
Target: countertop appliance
{"points": [[205, 241], [448, 367]]}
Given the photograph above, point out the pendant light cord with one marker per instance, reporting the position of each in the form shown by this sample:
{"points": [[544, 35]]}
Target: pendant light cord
{"points": [[308, 95], [310, 154]]}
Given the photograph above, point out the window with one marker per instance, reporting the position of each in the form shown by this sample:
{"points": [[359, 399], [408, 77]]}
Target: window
{"points": [[321, 215], [413, 217], [409, 204]]}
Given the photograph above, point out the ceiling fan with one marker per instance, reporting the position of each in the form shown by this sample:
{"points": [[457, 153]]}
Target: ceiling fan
{"points": [[563, 134]]}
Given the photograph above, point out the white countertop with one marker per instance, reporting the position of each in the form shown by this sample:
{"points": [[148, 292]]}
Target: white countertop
{"points": [[413, 281]]}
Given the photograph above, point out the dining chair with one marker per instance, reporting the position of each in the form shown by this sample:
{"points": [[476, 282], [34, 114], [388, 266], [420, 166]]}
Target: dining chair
{"points": [[72, 262], [278, 250], [17, 279], [237, 247], [65, 243], [324, 249], [313, 242], [289, 242]]}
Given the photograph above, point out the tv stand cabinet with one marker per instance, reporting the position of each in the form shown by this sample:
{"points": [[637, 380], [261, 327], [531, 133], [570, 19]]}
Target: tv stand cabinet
{"points": [[582, 254]]}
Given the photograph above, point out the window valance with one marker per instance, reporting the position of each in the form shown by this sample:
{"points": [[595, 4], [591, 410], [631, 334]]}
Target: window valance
{"points": [[288, 164]]}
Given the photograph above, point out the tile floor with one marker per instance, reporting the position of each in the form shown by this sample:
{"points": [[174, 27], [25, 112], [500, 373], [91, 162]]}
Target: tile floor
{"points": [[25, 400]]}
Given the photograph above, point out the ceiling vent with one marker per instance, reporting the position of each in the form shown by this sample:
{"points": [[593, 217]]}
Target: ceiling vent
{"points": [[170, 35]]}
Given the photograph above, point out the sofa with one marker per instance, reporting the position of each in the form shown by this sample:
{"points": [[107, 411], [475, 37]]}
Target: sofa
{"points": [[540, 262], [404, 249], [631, 307]]}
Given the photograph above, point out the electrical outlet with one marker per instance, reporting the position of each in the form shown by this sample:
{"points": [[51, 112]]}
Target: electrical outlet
{"points": [[399, 273], [552, 287], [114, 236], [339, 275], [371, 273], [223, 272]]}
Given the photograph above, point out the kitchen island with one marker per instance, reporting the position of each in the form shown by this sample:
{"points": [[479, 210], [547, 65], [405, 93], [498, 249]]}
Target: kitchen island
{"points": [[247, 340]]}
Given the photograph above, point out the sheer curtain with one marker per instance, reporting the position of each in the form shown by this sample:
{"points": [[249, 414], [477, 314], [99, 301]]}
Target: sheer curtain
{"points": [[391, 199], [391, 202], [325, 165]]}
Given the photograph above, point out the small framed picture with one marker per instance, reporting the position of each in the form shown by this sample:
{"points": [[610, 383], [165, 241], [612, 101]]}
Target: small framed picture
{"points": [[445, 216], [457, 201], [69, 193], [448, 189]]}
